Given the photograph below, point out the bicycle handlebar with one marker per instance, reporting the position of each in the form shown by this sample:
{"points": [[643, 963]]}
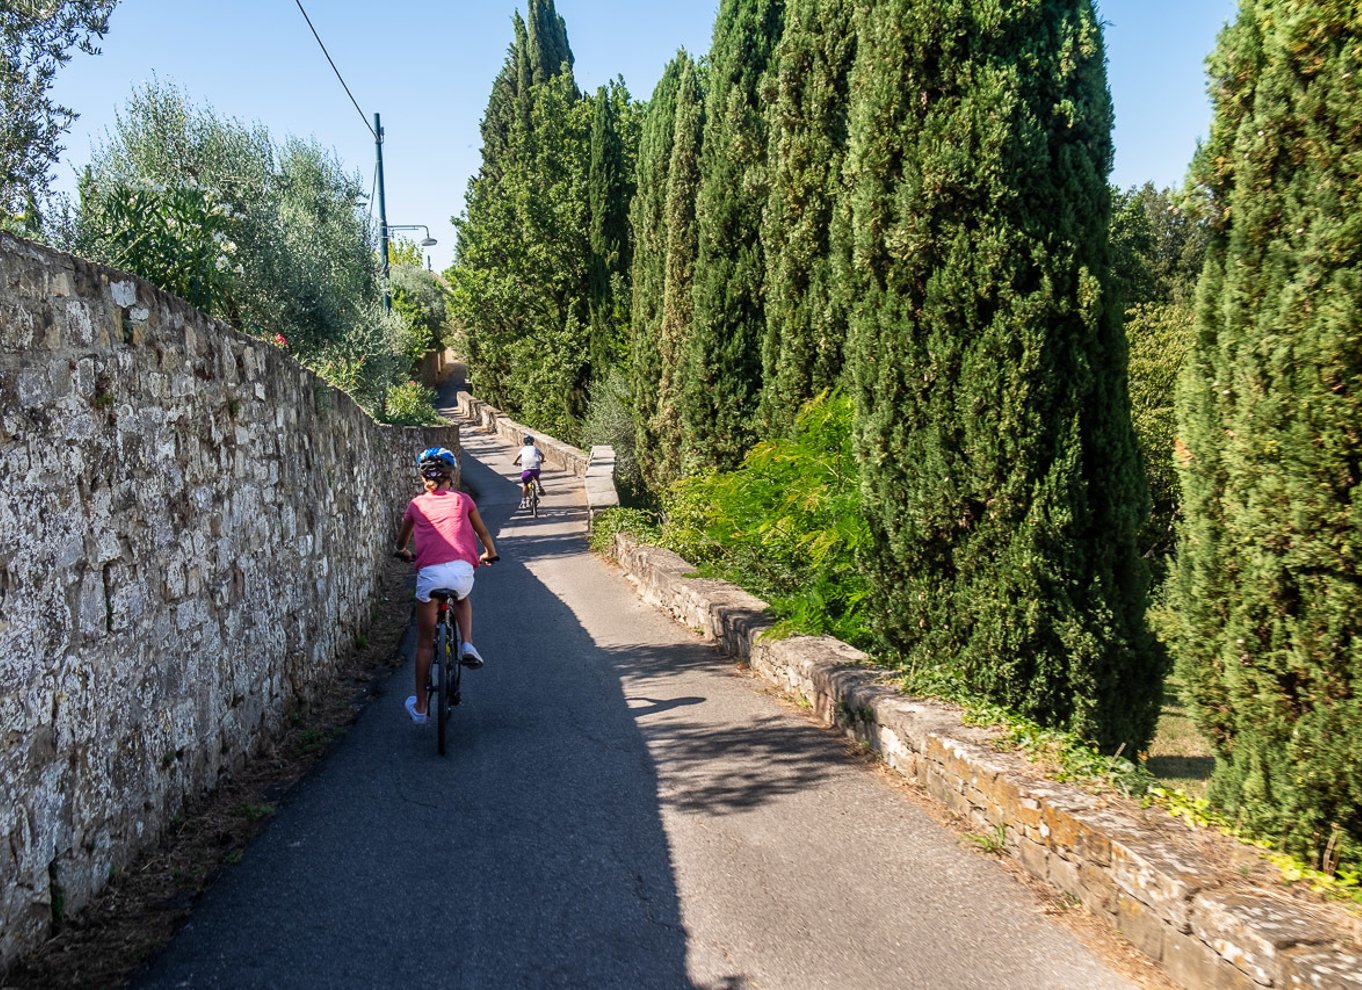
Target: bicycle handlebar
{"points": [[407, 555]]}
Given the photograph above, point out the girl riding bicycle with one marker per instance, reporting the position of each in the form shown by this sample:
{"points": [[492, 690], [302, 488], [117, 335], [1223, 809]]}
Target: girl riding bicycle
{"points": [[531, 459], [443, 522]]}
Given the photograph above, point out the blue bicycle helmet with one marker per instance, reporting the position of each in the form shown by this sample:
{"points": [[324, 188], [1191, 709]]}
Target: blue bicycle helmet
{"points": [[436, 463], [437, 455]]}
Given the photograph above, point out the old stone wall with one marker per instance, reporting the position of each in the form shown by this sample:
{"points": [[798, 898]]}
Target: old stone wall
{"points": [[189, 527]]}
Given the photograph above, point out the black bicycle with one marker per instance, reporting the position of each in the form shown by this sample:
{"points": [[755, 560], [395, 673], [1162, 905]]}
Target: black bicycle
{"points": [[446, 667], [446, 661]]}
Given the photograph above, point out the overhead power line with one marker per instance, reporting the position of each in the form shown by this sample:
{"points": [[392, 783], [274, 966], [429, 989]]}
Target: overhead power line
{"points": [[336, 70]]}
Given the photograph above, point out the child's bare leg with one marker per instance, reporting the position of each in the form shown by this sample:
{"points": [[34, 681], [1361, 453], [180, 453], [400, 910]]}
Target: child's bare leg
{"points": [[426, 613], [463, 615]]}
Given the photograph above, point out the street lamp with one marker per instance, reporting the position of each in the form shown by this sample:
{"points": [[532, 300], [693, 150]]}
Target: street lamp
{"points": [[425, 242], [383, 225]]}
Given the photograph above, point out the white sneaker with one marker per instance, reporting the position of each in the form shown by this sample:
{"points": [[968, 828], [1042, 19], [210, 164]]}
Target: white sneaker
{"points": [[471, 658]]}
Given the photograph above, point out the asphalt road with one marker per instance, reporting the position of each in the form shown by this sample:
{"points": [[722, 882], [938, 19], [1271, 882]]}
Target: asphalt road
{"points": [[620, 807]]}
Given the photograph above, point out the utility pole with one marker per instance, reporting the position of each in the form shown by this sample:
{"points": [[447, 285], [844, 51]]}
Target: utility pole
{"points": [[382, 216]]}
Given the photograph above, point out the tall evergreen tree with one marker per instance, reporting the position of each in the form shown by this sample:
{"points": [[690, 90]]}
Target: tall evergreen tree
{"points": [[520, 272], [1269, 571], [678, 299], [1001, 476], [504, 106], [549, 52], [647, 221], [609, 191], [805, 313], [723, 360]]}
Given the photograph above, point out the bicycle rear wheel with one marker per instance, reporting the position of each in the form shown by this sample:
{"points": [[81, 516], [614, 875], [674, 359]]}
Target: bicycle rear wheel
{"points": [[534, 502], [441, 659], [456, 666]]}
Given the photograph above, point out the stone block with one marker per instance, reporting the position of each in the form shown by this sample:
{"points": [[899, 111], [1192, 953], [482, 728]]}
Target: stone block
{"points": [[1156, 871], [1097, 889], [1195, 966], [1143, 927], [1012, 795], [1252, 931], [1064, 874], [1323, 968], [1034, 857]]}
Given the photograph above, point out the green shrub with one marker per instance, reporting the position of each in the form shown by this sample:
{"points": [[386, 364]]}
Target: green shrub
{"points": [[787, 525], [174, 235], [1160, 336], [638, 523], [609, 421], [412, 404]]}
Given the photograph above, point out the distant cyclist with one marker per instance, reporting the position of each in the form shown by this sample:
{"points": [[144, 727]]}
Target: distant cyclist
{"points": [[443, 521], [530, 459]]}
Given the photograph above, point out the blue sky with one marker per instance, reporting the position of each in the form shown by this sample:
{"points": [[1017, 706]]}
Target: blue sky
{"points": [[427, 67]]}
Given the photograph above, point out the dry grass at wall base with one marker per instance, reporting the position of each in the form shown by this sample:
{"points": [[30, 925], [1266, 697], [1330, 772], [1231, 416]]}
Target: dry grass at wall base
{"points": [[143, 906]]}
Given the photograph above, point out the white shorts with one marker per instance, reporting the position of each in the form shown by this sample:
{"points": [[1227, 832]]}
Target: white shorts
{"points": [[456, 575]]}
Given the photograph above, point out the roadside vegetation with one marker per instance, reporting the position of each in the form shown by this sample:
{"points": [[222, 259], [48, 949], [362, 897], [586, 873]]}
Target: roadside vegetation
{"points": [[273, 237], [1095, 449]]}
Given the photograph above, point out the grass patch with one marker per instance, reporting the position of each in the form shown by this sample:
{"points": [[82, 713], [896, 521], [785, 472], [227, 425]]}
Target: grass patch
{"points": [[1179, 755]]}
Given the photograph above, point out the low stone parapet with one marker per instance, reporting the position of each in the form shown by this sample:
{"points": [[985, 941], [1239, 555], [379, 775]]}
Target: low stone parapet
{"points": [[1202, 906]]}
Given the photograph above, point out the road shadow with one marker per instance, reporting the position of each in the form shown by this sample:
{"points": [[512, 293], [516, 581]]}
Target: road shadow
{"points": [[532, 855]]}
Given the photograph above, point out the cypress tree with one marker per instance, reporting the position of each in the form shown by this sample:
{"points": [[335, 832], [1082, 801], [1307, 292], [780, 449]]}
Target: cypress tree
{"points": [[1001, 477], [548, 49], [1268, 581], [678, 304], [609, 190], [805, 313], [483, 245], [723, 360], [648, 271], [520, 271], [503, 106]]}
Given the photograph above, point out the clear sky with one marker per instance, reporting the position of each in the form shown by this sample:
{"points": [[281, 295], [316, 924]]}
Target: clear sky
{"points": [[426, 66]]}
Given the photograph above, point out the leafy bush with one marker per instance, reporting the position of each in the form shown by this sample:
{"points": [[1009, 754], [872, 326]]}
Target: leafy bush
{"points": [[638, 523], [419, 297], [175, 236], [270, 237], [1160, 337], [610, 421], [411, 404], [787, 525]]}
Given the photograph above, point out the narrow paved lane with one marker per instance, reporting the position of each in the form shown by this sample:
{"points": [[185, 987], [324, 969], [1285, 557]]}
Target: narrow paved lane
{"points": [[620, 808]]}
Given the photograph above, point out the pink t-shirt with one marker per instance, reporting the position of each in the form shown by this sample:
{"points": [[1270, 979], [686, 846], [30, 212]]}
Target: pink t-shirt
{"points": [[441, 527]]}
